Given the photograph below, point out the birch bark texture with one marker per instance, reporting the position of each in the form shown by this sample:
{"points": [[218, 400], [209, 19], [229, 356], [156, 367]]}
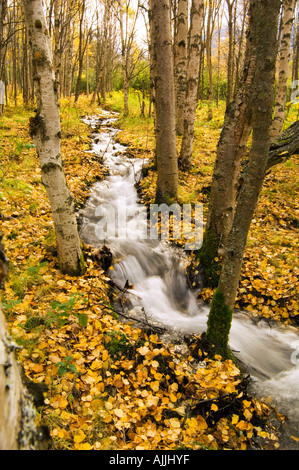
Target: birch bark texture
{"points": [[230, 59], [17, 413], [264, 16], [194, 50], [46, 133], [180, 62], [167, 162], [284, 67]]}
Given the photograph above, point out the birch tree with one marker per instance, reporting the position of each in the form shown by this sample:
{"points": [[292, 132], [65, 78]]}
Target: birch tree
{"points": [[127, 36], [231, 146], [17, 413], [85, 34], [230, 59], [283, 67], [103, 37], [167, 163], [264, 16], [213, 12], [3, 6], [191, 99], [46, 132], [295, 68], [180, 62]]}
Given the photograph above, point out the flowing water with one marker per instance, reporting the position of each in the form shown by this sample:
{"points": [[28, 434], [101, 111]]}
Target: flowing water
{"points": [[153, 271]]}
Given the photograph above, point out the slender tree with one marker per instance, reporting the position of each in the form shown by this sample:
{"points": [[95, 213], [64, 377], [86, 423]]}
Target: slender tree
{"points": [[129, 53], [264, 16], [192, 83], [85, 32], [295, 68], [219, 26], [167, 163], [180, 62], [102, 36], [230, 59], [45, 130], [283, 66], [3, 6], [213, 12], [225, 182]]}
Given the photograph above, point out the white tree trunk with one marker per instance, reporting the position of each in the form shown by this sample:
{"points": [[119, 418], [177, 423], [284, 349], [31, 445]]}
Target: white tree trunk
{"points": [[167, 162], [180, 63], [17, 414], [283, 68], [192, 83], [45, 130]]}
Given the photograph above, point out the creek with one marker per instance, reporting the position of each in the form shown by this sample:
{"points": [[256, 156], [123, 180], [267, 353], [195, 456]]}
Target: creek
{"points": [[154, 275]]}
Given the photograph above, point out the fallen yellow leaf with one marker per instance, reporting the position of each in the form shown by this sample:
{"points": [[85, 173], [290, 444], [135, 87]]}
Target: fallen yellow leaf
{"points": [[79, 437]]}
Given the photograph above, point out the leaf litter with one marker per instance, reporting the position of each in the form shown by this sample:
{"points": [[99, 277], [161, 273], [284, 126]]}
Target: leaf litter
{"points": [[110, 385]]}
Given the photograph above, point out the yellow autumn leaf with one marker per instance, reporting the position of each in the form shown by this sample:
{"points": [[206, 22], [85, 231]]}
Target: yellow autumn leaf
{"points": [[174, 423], [79, 437], [36, 368], [65, 416], [155, 364], [108, 405], [235, 419], [143, 350], [155, 386], [105, 355], [96, 365], [119, 413], [105, 416], [84, 446], [244, 426], [214, 407], [246, 403]]}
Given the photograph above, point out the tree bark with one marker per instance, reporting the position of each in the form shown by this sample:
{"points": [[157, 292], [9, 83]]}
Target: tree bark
{"points": [[192, 83], [167, 163], [57, 44], [230, 60], [81, 52], [46, 132], [180, 62], [284, 147], [264, 20], [295, 71], [209, 59], [3, 7], [225, 181], [283, 67], [127, 35], [17, 413]]}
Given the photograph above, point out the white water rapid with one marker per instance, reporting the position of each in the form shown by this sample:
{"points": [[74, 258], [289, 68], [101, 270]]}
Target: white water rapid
{"points": [[159, 288]]}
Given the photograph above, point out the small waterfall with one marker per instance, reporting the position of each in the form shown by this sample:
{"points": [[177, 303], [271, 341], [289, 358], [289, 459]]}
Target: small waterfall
{"points": [[158, 286]]}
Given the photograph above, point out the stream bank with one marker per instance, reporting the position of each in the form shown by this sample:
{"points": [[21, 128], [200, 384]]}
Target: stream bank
{"points": [[153, 277]]}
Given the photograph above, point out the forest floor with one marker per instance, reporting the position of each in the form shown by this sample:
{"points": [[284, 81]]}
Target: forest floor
{"points": [[111, 385]]}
